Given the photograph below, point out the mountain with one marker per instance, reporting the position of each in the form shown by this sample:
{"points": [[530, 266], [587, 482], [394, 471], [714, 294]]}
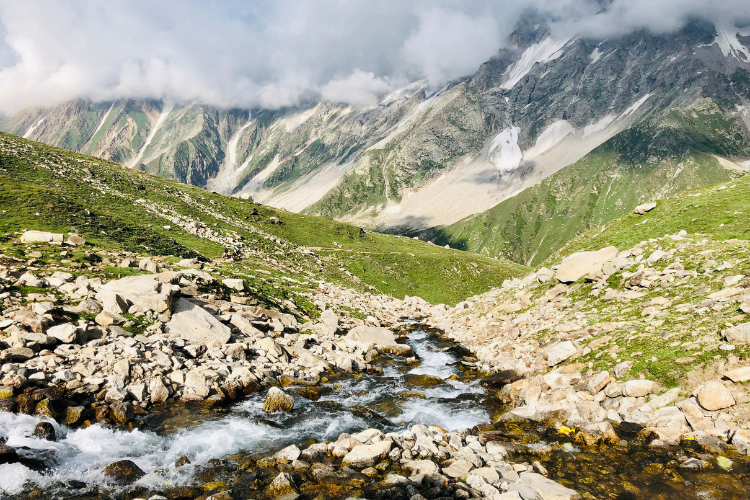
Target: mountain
{"points": [[672, 152], [113, 207], [423, 157]]}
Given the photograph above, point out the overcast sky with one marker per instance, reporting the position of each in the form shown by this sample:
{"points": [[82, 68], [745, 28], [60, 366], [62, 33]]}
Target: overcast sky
{"points": [[277, 53]]}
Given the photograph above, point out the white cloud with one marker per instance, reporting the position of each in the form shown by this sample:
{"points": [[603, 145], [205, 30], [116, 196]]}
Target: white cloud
{"points": [[275, 53]]}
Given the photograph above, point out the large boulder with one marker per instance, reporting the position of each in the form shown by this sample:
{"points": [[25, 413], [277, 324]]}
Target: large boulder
{"points": [[41, 237], [307, 359], [66, 333], [640, 388], [582, 263], [278, 400], [197, 325], [739, 334], [646, 207], [382, 339], [714, 396], [124, 471], [367, 455], [546, 489], [739, 374], [559, 352], [145, 292]]}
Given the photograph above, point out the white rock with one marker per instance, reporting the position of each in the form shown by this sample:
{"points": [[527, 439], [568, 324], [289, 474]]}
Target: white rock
{"points": [[646, 207], [195, 324], [639, 388], [367, 455], [234, 284], [582, 263], [714, 396], [41, 237], [67, 333], [558, 353]]}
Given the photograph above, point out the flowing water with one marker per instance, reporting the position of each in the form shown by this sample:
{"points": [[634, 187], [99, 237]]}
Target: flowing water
{"points": [[434, 391]]}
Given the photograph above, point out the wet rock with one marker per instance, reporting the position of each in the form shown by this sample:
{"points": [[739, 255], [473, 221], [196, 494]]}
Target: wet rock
{"points": [[44, 409], [121, 413], [558, 353], [8, 455], [423, 381], [278, 400], [739, 334], [197, 325], [367, 455], [290, 453], [283, 484], [45, 430], [498, 380], [582, 263], [183, 460], [714, 396], [593, 434], [73, 415], [124, 471]]}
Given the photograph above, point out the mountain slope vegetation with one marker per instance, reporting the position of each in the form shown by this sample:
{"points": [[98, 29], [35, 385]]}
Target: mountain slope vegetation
{"points": [[678, 150]]}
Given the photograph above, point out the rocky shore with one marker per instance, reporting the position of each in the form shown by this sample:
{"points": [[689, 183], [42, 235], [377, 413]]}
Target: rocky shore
{"points": [[646, 345]]}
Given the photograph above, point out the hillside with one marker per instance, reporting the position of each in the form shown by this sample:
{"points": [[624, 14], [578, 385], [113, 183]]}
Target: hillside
{"points": [[681, 149], [51, 189]]}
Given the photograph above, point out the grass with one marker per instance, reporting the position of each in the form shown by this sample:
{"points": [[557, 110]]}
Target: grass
{"points": [[117, 208]]}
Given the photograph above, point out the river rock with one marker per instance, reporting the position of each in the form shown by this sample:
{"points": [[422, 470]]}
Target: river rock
{"points": [[739, 374], [121, 412], [741, 441], [482, 486], [234, 283], [73, 415], [366, 337], [639, 388], [44, 430], [714, 396], [8, 455], [159, 392], [306, 359], [582, 263], [145, 292], [283, 484], [41, 237], [290, 453], [197, 325], [278, 400], [458, 469], [546, 489], [558, 353], [367, 455], [739, 334], [124, 471]]}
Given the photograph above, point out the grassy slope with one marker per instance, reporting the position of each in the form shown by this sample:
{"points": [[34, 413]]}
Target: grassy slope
{"points": [[47, 188], [646, 162], [720, 210]]}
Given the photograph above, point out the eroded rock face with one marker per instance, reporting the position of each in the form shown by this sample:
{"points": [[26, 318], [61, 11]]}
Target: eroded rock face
{"points": [[278, 400], [580, 264], [197, 325]]}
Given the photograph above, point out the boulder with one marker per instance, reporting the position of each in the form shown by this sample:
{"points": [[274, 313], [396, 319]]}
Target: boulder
{"points": [[714, 396], [646, 207], [145, 292], [458, 469], [234, 284], [307, 359], [66, 333], [556, 354], [740, 440], [546, 489], [367, 455], [146, 264], [16, 354], [382, 339], [739, 334], [283, 484], [580, 264], [159, 392], [739, 374], [124, 471], [278, 400], [41, 237], [75, 241], [8, 455], [44, 430], [481, 485], [639, 388], [197, 325], [290, 453]]}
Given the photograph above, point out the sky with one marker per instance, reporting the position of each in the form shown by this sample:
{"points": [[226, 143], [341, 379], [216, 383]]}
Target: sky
{"points": [[271, 54]]}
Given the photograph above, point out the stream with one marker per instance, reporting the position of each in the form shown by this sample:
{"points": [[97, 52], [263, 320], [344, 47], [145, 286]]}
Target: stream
{"points": [[436, 390]]}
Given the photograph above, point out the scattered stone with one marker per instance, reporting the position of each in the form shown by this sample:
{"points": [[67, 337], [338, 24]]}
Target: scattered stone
{"points": [[560, 352], [124, 471], [283, 484], [278, 400], [646, 207], [367, 455], [580, 264], [639, 388], [714, 396], [195, 324]]}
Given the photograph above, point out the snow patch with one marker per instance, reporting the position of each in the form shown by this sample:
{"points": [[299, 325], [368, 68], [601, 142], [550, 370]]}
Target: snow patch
{"points": [[103, 119], [294, 120], [168, 107], [504, 151], [31, 129], [599, 126], [393, 209], [403, 93], [726, 39], [551, 136], [545, 51], [634, 107], [595, 55], [232, 146]]}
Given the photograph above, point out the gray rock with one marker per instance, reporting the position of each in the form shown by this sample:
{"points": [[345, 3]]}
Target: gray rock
{"points": [[739, 334], [195, 324], [639, 388], [580, 264], [145, 292], [66, 333], [558, 353], [367, 455], [546, 489]]}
